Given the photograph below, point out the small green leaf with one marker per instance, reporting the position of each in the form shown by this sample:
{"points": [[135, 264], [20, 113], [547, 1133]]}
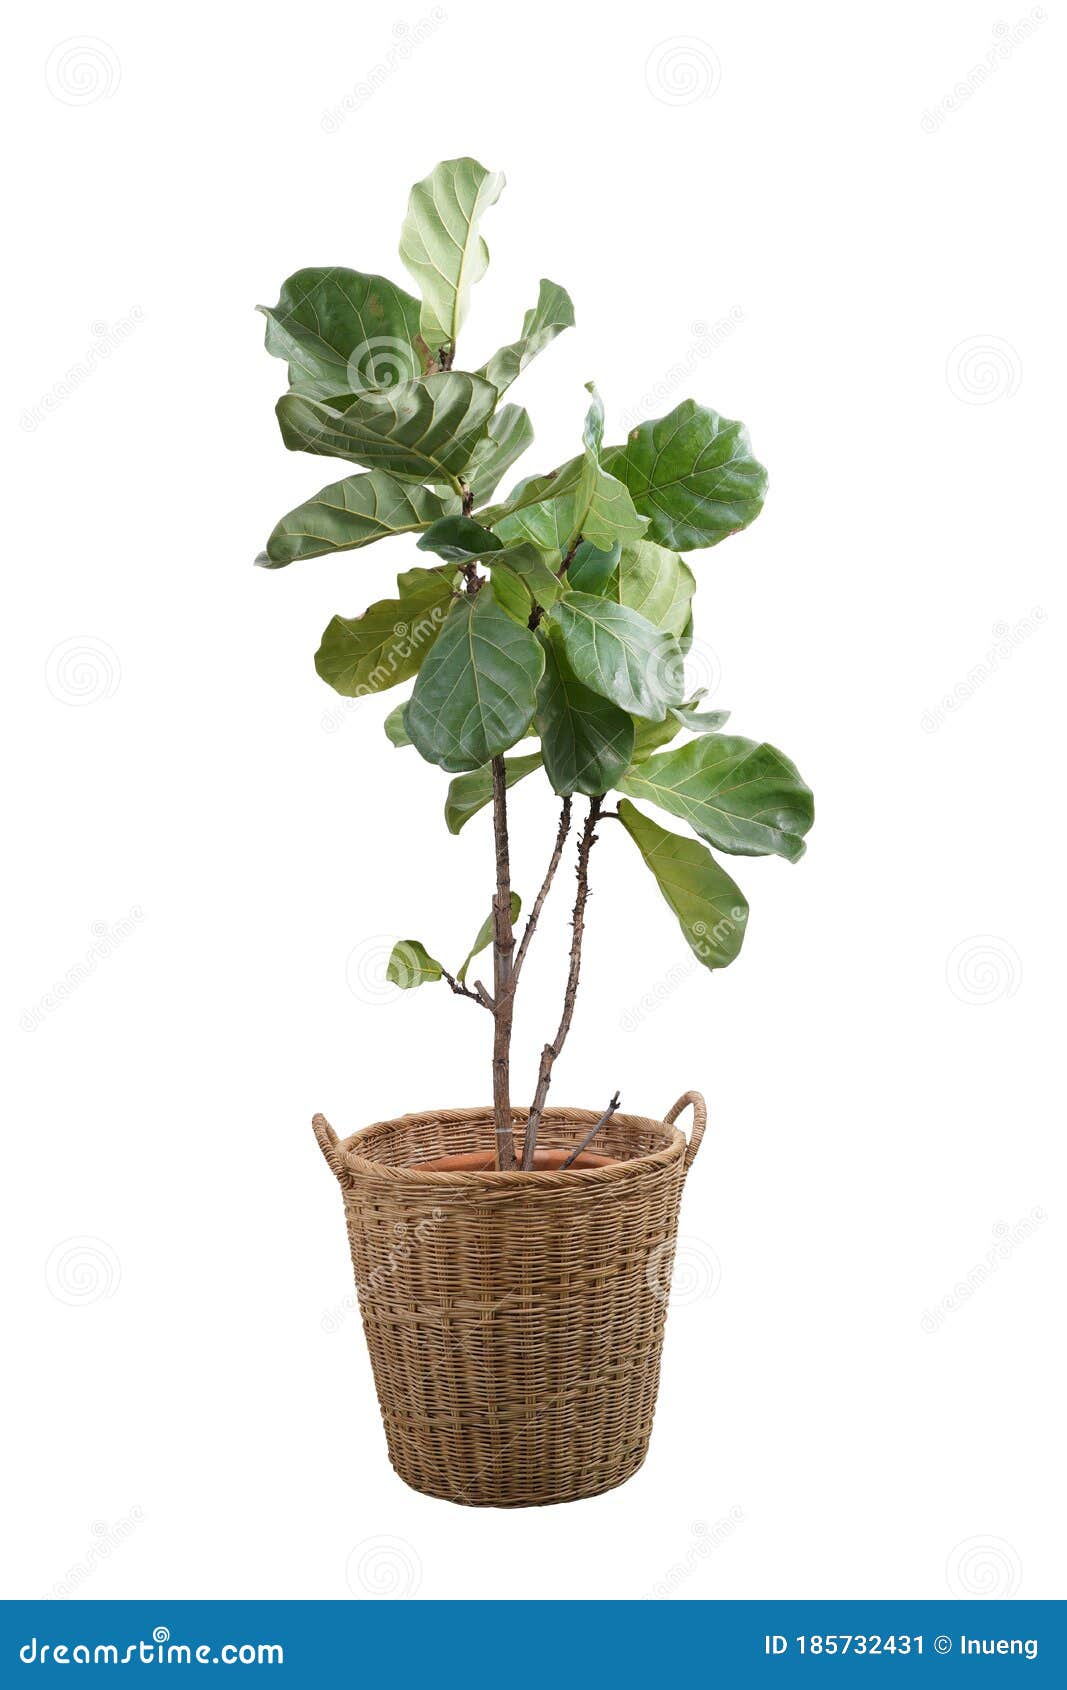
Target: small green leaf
{"points": [[526, 564], [693, 474], [350, 513], [741, 797], [342, 332], [424, 429], [395, 728], [468, 794], [701, 721], [485, 937], [411, 965], [620, 655], [476, 690], [586, 741], [549, 317], [711, 909], [510, 433], [459, 539], [366, 654], [440, 244], [651, 580]]}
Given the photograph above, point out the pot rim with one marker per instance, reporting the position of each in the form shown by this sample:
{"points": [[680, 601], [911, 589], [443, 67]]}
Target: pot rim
{"points": [[669, 1152]]}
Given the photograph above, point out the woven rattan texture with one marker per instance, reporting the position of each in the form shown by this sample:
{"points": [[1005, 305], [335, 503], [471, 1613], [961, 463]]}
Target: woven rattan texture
{"points": [[514, 1321]]}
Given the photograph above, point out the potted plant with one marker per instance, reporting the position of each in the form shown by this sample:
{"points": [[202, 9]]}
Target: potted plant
{"points": [[512, 1263]]}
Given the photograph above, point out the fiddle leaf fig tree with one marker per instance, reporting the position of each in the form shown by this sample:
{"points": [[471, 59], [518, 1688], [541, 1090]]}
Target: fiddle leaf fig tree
{"points": [[546, 633]]}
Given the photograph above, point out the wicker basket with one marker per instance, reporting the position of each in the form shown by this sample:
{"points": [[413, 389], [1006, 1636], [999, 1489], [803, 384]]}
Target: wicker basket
{"points": [[514, 1320]]}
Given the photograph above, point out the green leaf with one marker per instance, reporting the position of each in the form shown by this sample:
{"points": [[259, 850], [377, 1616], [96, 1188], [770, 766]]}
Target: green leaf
{"points": [[591, 569], [620, 654], [440, 244], [651, 580], [701, 721], [693, 474], [552, 314], [387, 644], [510, 433], [586, 741], [485, 937], [711, 909], [424, 429], [350, 513], [742, 797], [468, 794], [395, 727], [651, 735], [459, 539], [476, 690], [342, 332], [411, 965], [525, 564]]}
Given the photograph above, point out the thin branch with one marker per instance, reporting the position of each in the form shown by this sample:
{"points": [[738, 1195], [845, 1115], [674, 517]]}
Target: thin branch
{"points": [[569, 556], [539, 901], [483, 996], [463, 991], [551, 1051], [590, 1136], [503, 948]]}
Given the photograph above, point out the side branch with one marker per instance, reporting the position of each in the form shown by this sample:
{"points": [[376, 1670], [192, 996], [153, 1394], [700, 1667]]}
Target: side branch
{"points": [[551, 1051], [503, 948], [539, 901]]}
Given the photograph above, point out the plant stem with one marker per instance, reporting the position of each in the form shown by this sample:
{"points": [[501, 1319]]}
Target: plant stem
{"points": [[503, 947], [591, 1135], [539, 901], [551, 1051]]}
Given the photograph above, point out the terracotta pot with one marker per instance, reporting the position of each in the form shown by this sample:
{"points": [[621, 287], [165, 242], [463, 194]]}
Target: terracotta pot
{"points": [[478, 1161]]}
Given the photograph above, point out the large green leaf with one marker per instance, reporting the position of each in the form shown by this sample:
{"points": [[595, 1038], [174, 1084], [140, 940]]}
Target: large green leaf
{"points": [[745, 798], [693, 474], [586, 740], [525, 566], [411, 965], [552, 314], [485, 936], [459, 539], [651, 580], [440, 244], [510, 433], [424, 429], [620, 654], [476, 690], [350, 513], [342, 332], [366, 654], [468, 794], [711, 909]]}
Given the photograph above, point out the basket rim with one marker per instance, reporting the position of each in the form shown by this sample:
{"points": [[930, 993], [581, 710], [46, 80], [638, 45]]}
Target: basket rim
{"points": [[497, 1178]]}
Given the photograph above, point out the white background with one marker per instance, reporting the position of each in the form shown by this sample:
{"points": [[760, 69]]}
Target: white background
{"points": [[777, 199]]}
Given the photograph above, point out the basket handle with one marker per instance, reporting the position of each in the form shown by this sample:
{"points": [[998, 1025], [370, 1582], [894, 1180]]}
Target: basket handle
{"points": [[329, 1144], [700, 1121]]}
